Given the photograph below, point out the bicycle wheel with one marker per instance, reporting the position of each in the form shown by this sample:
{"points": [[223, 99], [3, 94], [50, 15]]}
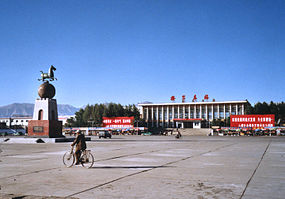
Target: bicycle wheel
{"points": [[68, 159], [87, 160]]}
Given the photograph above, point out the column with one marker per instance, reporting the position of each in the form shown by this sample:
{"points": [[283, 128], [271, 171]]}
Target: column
{"points": [[218, 109], [173, 115], [189, 113], [152, 116], [162, 114], [157, 117], [200, 111], [224, 111], [230, 109], [207, 118], [242, 109], [143, 116], [183, 116], [167, 112], [212, 111], [147, 114], [236, 109], [195, 111], [178, 112]]}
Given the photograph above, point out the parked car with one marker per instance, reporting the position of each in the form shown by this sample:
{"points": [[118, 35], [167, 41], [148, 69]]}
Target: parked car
{"points": [[105, 134], [282, 132], [146, 133], [18, 133]]}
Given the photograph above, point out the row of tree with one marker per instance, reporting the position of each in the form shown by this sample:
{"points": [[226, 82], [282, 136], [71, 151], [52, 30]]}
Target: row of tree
{"points": [[92, 115], [278, 109]]}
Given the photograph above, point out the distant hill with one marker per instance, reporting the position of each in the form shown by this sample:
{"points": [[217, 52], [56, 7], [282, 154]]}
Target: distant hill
{"points": [[27, 109]]}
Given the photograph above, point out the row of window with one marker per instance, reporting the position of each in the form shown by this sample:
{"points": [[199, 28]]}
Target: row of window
{"points": [[14, 120]]}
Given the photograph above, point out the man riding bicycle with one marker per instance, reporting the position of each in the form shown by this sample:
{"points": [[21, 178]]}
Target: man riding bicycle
{"points": [[80, 145]]}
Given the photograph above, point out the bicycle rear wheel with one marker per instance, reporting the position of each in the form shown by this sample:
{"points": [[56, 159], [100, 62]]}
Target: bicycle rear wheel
{"points": [[68, 159], [87, 160]]}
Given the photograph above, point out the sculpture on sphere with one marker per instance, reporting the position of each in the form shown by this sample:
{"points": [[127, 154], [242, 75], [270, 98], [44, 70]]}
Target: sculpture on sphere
{"points": [[45, 121], [49, 75]]}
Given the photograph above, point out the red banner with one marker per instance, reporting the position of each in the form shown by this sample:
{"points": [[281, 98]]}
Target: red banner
{"points": [[252, 121], [118, 122]]}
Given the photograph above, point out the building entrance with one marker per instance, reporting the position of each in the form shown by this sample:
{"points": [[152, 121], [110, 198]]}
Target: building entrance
{"points": [[188, 123]]}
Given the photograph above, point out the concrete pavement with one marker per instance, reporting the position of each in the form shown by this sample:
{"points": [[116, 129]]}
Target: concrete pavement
{"points": [[149, 167]]}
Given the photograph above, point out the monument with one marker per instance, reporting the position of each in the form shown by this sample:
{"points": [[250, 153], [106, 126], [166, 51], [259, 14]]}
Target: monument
{"points": [[45, 118]]}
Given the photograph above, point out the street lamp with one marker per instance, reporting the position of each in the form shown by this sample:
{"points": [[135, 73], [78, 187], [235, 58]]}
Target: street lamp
{"points": [[91, 121]]}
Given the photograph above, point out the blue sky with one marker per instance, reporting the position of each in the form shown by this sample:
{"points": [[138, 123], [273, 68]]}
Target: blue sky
{"points": [[133, 51]]}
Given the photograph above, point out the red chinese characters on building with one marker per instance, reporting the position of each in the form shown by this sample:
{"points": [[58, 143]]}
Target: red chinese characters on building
{"points": [[183, 98], [118, 122], [172, 98], [253, 121], [206, 97], [194, 98]]}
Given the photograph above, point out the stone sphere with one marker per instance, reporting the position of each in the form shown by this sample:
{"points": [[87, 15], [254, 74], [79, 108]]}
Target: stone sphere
{"points": [[46, 90]]}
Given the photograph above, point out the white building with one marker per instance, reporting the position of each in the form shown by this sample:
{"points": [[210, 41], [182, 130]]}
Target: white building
{"points": [[189, 114], [19, 121], [23, 121]]}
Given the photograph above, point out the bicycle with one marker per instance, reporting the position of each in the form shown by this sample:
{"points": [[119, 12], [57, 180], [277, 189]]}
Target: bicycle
{"points": [[86, 158]]}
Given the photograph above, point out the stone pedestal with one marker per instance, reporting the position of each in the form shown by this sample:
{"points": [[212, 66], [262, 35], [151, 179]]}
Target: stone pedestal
{"points": [[45, 128], [45, 119]]}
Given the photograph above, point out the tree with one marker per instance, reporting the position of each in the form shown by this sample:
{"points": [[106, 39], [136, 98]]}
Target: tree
{"points": [[278, 109], [70, 122], [248, 109], [281, 112], [79, 117], [97, 111], [87, 116], [273, 109]]}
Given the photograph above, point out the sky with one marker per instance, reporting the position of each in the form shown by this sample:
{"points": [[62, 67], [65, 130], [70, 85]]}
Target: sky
{"points": [[131, 51]]}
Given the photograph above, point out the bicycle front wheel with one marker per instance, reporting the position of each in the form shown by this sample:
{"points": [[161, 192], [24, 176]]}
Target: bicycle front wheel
{"points": [[87, 160], [68, 159]]}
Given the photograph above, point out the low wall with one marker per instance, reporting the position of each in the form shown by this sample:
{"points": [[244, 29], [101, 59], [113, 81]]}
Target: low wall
{"points": [[187, 131], [200, 132]]}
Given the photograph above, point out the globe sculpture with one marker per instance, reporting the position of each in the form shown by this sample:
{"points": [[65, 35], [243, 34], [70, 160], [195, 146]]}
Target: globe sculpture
{"points": [[46, 90]]}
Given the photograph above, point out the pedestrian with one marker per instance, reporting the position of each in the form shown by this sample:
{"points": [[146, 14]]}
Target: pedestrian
{"points": [[178, 134]]}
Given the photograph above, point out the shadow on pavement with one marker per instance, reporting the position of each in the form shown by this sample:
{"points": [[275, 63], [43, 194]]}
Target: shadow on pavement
{"points": [[130, 167]]}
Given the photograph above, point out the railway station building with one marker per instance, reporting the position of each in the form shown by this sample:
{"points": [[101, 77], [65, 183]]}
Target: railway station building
{"points": [[189, 114]]}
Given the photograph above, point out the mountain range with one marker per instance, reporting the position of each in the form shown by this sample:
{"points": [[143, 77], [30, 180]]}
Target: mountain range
{"points": [[27, 109]]}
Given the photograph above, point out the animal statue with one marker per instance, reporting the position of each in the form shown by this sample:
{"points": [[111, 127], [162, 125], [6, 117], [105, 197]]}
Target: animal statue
{"points": [[49, 75]]}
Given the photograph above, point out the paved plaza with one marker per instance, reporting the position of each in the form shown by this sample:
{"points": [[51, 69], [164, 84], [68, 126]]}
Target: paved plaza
{"points": [[148, 167]]}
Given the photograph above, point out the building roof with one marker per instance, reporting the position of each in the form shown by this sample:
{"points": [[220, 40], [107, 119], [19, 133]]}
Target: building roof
{"points": [[195, 103]]}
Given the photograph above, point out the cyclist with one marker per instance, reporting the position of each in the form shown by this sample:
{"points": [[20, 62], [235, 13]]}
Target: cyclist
{"points": [[80, 145]]}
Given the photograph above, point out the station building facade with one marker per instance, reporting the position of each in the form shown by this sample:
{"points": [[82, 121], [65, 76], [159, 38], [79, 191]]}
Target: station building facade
{"points": [[189, 114]]}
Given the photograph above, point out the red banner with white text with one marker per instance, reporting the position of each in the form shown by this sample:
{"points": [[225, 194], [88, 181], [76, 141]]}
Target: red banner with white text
{"points": [[253, 121], [118, 122]]}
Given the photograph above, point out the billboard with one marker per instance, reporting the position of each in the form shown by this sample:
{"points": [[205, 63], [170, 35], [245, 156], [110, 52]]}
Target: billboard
{"points": [[253, 121], [118, 122]]}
